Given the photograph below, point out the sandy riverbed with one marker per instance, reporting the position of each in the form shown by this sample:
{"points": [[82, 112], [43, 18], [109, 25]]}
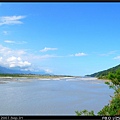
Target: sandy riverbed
{"points": [[4, 80], [27, 79]]}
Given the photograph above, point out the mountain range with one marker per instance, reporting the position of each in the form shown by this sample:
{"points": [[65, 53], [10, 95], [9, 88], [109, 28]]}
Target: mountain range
{"points": [[4, 70]]}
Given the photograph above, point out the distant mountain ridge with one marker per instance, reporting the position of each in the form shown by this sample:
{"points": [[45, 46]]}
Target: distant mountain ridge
{"points": [[105, 72], [4, 70]]}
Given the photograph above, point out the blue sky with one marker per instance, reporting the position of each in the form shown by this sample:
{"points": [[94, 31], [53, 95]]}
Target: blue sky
{"points": [[60, 38]]}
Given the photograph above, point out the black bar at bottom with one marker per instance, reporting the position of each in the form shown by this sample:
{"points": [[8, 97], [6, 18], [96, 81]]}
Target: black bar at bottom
{"points": [[59, 117]]}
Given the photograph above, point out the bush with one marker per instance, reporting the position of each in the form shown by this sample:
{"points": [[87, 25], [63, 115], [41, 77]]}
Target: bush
{"points": [[85, 112], [113, 108]]}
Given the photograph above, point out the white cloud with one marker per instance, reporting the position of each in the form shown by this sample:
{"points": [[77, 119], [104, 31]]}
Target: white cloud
{"points": [[7, 52], [9, 41], [47, 56], [23, 60], [12, 58], [78, 54], [17, 62], [117, 58], [15, 42], [47, 49], [0, 58], [11, 20]]}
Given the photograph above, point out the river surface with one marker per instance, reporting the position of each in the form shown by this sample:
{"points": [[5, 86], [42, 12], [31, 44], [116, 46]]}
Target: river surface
{"points": [[53, 97]]}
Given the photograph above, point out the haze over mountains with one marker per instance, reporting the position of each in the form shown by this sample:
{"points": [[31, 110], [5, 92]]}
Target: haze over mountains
{"points": [[4, 70]]}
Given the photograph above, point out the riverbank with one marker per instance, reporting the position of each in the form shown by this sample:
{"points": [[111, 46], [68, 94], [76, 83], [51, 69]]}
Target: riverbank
{"points": [[4, 79], [94, 78], [106, 80], [29, 78]]}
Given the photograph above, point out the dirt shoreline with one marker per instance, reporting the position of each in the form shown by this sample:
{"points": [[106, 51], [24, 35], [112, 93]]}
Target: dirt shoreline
{"points": [[4, 80], [106, 80], [28, 79]]}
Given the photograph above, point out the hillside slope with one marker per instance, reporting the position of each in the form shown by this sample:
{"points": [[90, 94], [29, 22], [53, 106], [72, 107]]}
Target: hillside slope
{"points": [[104, 73]]}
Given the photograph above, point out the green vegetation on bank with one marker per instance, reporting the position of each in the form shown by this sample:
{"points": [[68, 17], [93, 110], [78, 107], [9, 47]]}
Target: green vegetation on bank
{"points": [[113, 108], [103, 74]]}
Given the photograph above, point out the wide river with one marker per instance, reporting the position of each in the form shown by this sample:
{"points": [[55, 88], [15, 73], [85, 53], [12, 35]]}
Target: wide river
{"points": [[53, 97]]}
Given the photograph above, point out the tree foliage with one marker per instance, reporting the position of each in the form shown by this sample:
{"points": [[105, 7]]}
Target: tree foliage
{"points": [[85, 112], [113, 108]]}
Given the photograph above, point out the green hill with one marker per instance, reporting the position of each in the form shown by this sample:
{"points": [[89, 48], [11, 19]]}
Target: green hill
{"points": [[104, 74]]}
